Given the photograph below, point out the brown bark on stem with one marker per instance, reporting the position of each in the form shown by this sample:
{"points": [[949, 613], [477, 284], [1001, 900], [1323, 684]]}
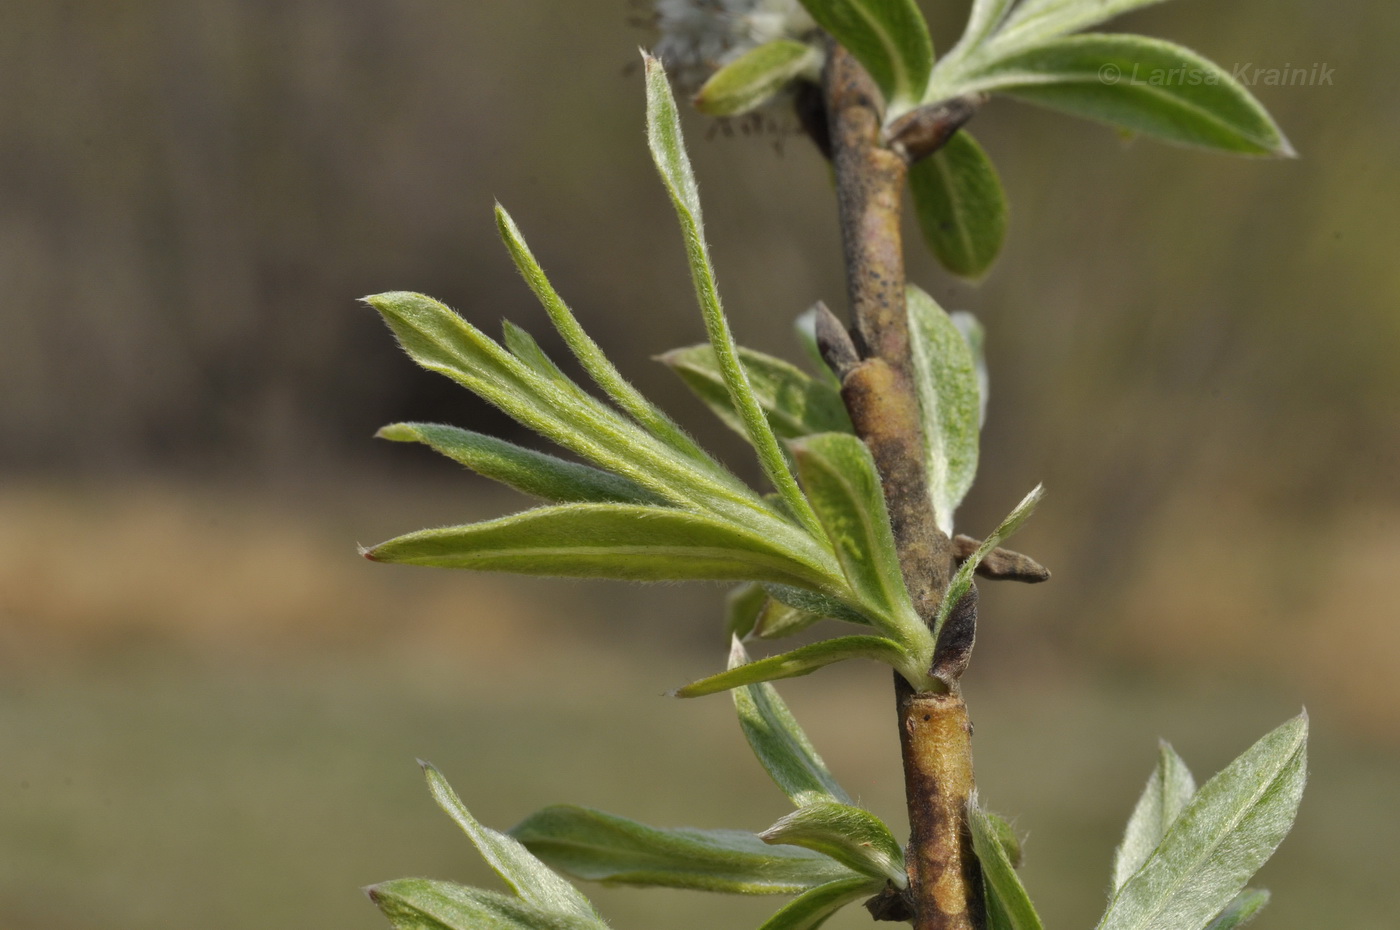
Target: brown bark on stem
{"points": [[945, 890]]}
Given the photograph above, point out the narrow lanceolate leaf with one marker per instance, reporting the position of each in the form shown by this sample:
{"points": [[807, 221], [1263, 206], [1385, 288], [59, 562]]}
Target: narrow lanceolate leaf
{"points": [[527, 876], [945, 373], [813, 602], [983, 20], [972, 331], [795, 403], [960, 205], [604, 541], [1227, 831], [1240, 911], [840, 479], [1002, 883], [588, 352], [854, 837], [668, 152], [777, 620], [1038, 20], [424, 904], [807, 659], [888, 37], [1167, 793], [526, 470], [962, 578], [812, 909], [1143, 85], [780, 744], [752, 79], [596, 846]]}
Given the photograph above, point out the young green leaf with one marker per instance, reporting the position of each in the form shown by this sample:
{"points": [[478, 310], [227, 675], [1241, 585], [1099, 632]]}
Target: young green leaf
{"points": [[854, 837], [1002, 883], [526, 470], [976, 337], [668, 152], [527, 876], [588, 352], [755, 77], [1167, 793], [888, 37], [813, 602], [742, 607], [1241, 910], [1143, 85], [840, 479], [779, 742], [795, 403], [1005, 836], [960, 205], [777, 620], [1227, 831], [597, 846], [946, 378], [424, 904], [962, 578], [807, 659], [620, 541], [810, 910], [524, 347], [1034, 21]]}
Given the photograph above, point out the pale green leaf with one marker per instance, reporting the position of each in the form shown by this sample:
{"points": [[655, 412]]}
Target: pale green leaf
{"points": [[975, 335], [813, 602], [795, 403], [1227, 831], [812, 909], [962, 578], [840, 479], [854, 837], [807, 659], [1143, 85], [1006, 837], [589, 354], [527, 876], [1168, 790], [753, 78], [960, 206], [1037, 20], [777, 620], [1241, 910], [742, 608], [524, 347], [780, 743], [945, 374], [605, 541], [526, 470], [888, 37], [1002, 883], [424, 904], [597, 846], [668, 152]]}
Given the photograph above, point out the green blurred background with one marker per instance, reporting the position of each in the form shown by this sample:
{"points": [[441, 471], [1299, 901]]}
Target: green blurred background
{"points": [[209, 707]]}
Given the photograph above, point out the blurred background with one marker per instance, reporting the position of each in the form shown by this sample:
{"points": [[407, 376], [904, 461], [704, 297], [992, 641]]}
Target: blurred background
{"points": [[210, 707]]}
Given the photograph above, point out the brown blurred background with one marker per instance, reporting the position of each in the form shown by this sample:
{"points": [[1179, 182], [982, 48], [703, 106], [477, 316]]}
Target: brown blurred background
{"points": [[209, 707]]}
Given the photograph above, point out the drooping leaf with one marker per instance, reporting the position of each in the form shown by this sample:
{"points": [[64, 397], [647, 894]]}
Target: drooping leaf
{"points": [[620, 541], [839, 476], [1167, 793], [807, 659], [962, 578], [960, 205], [588, 352], [1002, 882], [755, 77], [854, 837], [1241, 910], [1143, 85], [795, 403], [812, 909], [668, 152], [945, 373], [597, 846], [527, 876], [1228, 830], [530, 472], [779, 742], [888, 37], [424, 904], [976, 337], [1037, 20]]}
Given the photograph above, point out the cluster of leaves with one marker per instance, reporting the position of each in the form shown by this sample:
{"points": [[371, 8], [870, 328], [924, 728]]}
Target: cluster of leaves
{"points": [[654, 506], [1034, 51]]}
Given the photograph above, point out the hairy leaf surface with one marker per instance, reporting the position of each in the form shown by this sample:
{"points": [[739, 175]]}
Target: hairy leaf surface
{"points": [[1168, 791], [756, 76], [960, 206], [852, 836]]}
